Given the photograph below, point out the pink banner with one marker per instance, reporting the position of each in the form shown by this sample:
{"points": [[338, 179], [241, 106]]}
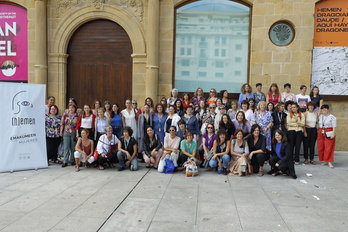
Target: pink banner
{"points": [[13, 43]]}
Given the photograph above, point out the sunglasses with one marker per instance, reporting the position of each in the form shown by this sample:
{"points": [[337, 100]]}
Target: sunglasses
{"points": [[171, 130], [210, 127]]}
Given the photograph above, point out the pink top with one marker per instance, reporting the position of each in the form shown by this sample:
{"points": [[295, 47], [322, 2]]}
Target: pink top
{"points": [[273, 98]]}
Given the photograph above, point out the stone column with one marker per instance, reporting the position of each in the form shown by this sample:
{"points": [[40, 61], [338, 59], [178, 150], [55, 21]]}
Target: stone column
{"points": [[40, 42], [57, 84], [152, 49]]}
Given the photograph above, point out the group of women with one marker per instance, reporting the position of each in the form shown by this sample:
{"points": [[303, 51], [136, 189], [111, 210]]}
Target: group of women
{"points": [[235, 137]]}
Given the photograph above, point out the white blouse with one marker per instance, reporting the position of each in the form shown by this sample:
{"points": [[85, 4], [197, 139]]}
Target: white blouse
{"points": [[328, 121]]}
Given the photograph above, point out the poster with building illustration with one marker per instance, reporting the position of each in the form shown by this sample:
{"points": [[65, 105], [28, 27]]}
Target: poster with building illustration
{"points": [[330, 52]]}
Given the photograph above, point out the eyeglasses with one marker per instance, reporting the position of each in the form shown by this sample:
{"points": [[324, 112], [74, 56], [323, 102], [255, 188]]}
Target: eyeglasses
{"points": [[212, 107], [171, 130], [210, 127]]}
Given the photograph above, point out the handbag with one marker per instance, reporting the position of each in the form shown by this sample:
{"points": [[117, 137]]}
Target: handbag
{"points": [[191, 168], [328, 134], [112, 151], [207, 159], [169, 167]]}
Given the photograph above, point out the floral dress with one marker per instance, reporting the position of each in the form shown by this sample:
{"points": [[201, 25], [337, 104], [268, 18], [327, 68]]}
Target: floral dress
{"points": [[263, 120]]}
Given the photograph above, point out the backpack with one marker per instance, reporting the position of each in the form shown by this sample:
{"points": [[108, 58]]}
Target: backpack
{"points": [[169, 167]]}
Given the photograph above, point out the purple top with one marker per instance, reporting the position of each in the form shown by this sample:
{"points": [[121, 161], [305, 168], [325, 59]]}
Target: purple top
{"points": [[209, 141], [52, 125], [246, 129]]}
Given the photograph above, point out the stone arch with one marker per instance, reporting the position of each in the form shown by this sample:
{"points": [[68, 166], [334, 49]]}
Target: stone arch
{"points": [[78, 17], [57, 77]]}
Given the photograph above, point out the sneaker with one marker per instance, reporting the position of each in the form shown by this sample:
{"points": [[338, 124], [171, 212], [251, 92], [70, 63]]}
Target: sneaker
{"points": [[297, 163], [121, 169], [219, 171], [131, 167], [64, 165], [224, 171]]}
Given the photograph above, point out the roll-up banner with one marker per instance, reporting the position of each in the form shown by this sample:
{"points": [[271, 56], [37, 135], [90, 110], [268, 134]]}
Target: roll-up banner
{"points": [[22, 123]]}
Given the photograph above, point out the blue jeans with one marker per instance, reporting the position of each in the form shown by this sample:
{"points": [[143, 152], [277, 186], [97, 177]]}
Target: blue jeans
{"points": [[225, 161], [69, 146], [122, 157]]}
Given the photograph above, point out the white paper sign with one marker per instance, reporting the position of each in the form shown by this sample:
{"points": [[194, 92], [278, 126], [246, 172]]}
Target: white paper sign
{"points": [[22, 123]]}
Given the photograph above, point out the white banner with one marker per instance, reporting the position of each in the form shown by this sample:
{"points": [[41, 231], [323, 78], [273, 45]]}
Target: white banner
{"points": [[22, 123]]}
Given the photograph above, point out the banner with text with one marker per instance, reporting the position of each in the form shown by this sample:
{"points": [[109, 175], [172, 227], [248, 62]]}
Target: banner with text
{"points": [[13, 43], [22, 134], [330, 52]]}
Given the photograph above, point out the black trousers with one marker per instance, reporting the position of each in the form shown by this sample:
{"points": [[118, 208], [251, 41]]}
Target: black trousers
{"points": [[258, 161], [52, 145], [295, 139], [103, 160], [309, 143]]}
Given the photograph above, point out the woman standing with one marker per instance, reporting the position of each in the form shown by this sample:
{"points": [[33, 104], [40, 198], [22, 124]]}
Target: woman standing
{"points": [[252, 105], [241, 123], [116, 120], [212, 96], [310, 135], [127, 150], [84, 149], [144, 121], [101, 122], [279, 118], [86, 121], [296, 123], [152, 148], [259, 95], [225, 100], [69, 127], [240, 149], [171, 149], [249, 114], [198, 96], [107, 148], [129, 117], [246, 94], [315, 96], [172, 119], [233, 110], [50, 102], [173, 98], [265, 121], [227, 125], [149, 102], [53, 123], [287, 95], [326, 136], [191, 122], [273, 94], [159, 120], [281, 160], [186, 100], [257, 148], [202, 110], [221, 156], [178, 108], [107, 109], [96, 105]]}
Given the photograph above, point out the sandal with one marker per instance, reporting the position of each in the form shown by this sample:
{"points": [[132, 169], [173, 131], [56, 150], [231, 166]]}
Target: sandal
{"points": [[330, 165], [231, 174], [260, 173], [313, 162], [306, 161], [77, 169], [325, 163], [101, 168]]}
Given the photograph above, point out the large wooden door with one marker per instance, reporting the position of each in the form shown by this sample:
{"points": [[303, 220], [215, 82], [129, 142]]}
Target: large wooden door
{"points": [[99, 64]]}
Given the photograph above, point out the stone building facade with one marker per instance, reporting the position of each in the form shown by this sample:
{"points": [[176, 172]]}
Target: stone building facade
{"points": [[150, 26]]}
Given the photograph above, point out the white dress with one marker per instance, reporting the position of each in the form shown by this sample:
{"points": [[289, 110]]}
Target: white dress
{"points": [[130, 121]]}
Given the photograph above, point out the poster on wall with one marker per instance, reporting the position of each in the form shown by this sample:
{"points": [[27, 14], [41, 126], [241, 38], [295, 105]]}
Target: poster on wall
{"points": [[22, 134], [330, 52], [13, 43]]}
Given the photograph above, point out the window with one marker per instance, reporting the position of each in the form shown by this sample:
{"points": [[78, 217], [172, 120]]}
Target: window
{"points": [[185, 62], [202, 63], [182, 51], [213, 41], [219, 64]]}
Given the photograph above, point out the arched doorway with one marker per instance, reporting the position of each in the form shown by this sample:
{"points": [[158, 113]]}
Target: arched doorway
{"points": [[99, 63]]}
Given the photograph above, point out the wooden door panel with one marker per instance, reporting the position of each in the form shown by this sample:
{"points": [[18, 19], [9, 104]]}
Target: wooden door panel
{"points": [[99, 64]]}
